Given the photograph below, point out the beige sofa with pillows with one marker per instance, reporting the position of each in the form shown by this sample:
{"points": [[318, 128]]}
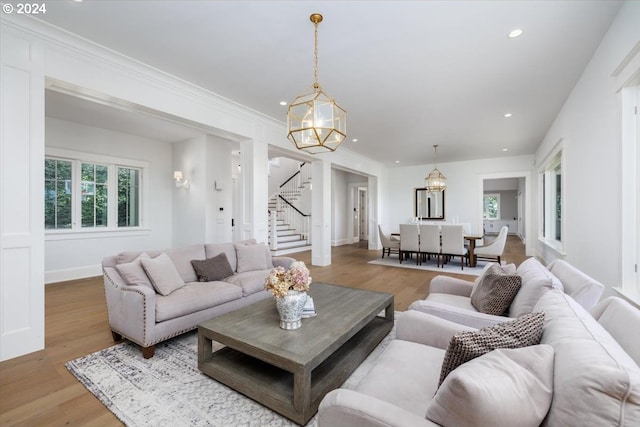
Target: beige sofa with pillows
{"points": [[556, 366], [480, 303], [155, 295]]}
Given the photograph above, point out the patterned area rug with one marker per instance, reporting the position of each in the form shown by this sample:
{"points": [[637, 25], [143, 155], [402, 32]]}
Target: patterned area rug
{"points": [[169, 390], [450, 267]]}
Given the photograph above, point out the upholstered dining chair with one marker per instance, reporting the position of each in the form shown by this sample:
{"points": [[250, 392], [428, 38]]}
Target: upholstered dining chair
{"points": [[494, 249], [453, 243], [430, 241], [409, 241], [388, 245]]}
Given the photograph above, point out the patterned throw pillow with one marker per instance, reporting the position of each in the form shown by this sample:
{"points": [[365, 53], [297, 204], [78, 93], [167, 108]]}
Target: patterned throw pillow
{"points": [[212, 269], [496, 291], [465, 346]]}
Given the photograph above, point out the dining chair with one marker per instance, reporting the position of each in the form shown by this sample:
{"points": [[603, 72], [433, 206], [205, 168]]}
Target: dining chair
{"points": [[409, 241], [430, 241], [453, 243], [388, 244], [494, 249]]}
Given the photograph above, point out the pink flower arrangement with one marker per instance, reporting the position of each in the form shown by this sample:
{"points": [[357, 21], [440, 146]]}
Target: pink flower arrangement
{"points": [[296, 278]]}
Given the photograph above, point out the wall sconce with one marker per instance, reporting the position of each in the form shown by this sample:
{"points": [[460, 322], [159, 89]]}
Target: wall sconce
{"points": [[180, 181]]}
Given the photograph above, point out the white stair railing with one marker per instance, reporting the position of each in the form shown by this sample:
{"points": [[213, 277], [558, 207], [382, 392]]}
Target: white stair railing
{"points": [[285, 210]]}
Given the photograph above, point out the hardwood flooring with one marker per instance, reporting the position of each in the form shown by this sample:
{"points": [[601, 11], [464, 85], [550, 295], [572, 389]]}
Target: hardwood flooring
{"points": [[37, 389]]}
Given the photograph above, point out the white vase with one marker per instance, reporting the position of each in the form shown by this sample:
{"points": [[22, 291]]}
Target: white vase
{"points": [[290, 309]]}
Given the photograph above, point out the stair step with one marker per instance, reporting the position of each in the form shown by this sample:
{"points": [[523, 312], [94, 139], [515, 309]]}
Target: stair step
{"points": [[288, 238], [287, 232], [292, 244]]}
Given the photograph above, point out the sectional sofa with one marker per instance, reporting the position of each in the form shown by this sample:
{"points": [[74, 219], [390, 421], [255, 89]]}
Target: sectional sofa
{"points": [[158, 294], [583, 372]]}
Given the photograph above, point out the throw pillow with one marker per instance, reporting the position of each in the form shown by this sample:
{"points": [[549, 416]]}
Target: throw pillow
{"points": [[132, 272], [163, 274], [508, 269], [495, 291], [465, 346], [212, 269], [536, 281], [251, 257], [505, 387]]}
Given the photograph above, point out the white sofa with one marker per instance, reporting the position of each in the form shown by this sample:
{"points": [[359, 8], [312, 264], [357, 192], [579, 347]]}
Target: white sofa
{"points": [[450, 297], [589, 379], [140, 312]]}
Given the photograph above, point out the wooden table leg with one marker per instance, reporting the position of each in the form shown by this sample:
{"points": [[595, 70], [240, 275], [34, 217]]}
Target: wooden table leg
{"points": [[472, 256]]}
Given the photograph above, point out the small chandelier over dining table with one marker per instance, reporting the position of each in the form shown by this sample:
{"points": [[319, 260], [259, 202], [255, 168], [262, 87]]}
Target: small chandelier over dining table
{"points": [[435, 181], [316, 123]]}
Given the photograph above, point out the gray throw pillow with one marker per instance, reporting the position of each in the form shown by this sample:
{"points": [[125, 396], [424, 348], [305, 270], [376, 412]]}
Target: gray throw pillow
{"points": [[465, 346], [496, 291], [212, 269]]}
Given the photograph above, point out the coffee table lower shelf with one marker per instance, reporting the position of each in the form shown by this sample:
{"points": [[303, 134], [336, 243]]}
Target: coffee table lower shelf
{"points": [[273, 387]]}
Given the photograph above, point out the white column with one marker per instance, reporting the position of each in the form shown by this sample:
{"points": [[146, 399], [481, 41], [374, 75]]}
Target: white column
{"points": [[374, 241], [21, 197], [255, 217], [321, 213]]}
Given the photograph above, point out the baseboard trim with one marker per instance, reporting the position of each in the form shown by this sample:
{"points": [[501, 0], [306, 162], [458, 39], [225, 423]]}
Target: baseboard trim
{"points": [[53, 276]]}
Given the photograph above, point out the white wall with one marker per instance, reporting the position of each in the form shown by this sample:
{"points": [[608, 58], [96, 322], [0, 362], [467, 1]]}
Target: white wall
{"points": [[463, 195], [66, 256], [589, 126]]}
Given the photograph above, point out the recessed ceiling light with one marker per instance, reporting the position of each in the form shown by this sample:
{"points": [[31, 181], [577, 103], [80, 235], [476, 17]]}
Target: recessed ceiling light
{"points": [[516, 32], [283, 102], [505, 149], [508, 115], [355, 140], [397, 161]]}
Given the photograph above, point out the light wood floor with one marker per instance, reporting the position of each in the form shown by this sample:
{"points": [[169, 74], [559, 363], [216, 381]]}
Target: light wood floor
{"points": [[37, 389]]}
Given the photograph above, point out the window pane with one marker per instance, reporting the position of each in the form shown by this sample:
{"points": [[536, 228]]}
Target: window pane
{"points": [[57, 194], [128, 197], [94, 205]]}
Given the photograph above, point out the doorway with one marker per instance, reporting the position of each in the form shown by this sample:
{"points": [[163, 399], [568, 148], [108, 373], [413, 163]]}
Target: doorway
{"points": [[362, 214]]}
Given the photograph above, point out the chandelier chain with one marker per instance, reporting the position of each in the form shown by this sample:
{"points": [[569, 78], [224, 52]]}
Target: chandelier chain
{"points": [[315, 54]]}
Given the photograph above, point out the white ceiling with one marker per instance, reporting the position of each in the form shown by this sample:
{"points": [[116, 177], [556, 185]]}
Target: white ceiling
{"points": [[409, 73]]}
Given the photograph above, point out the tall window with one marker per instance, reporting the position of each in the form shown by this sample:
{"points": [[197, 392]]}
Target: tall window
{"points": [[57, 194], [83, 194], [128, 197], [491, 204], [551, 200]]}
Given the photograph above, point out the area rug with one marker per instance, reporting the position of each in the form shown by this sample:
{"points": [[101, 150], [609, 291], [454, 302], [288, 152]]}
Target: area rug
{"points": [[169, 390], [450, 267]]}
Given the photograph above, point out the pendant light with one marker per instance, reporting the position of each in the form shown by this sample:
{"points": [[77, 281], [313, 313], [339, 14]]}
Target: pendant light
{"points": [[316, 123], [435, 181]]}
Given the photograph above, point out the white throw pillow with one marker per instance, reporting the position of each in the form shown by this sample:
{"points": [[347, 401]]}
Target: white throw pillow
{"points": [[163, 274], [252, 257], [505, 387], [132, 272], [536, 281]]}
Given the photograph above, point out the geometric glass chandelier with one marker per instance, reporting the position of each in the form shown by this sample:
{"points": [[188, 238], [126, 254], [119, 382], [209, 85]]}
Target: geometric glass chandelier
{"points": [[435, 181], [316, 123]]}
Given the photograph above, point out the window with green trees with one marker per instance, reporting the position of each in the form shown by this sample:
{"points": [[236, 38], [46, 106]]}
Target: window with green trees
{"points": [[491, 206], [57, 194], [81, 195]]}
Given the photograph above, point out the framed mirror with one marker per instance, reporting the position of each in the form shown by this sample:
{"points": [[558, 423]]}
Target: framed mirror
{"points": [[429, 205]]}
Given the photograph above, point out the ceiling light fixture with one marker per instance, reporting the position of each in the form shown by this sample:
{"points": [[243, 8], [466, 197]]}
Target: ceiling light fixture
{"points": [[516, 32], [316, 123], [507, 115], [283, 102], [435, 181]]}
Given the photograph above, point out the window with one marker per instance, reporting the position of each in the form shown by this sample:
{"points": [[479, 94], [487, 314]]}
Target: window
{"points": [[85, 192], [551, 200], [491, 206], [57, 194]]}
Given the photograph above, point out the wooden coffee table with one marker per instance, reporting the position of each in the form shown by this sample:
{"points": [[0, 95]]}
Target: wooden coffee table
{"points": [[291, 371]]}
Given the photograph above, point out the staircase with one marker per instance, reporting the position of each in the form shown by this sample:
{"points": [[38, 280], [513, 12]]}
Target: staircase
{"points": [[287, 223]]}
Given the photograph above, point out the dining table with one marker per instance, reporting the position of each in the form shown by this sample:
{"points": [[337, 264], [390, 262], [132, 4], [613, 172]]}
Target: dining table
{"points": [[471, 238]]}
